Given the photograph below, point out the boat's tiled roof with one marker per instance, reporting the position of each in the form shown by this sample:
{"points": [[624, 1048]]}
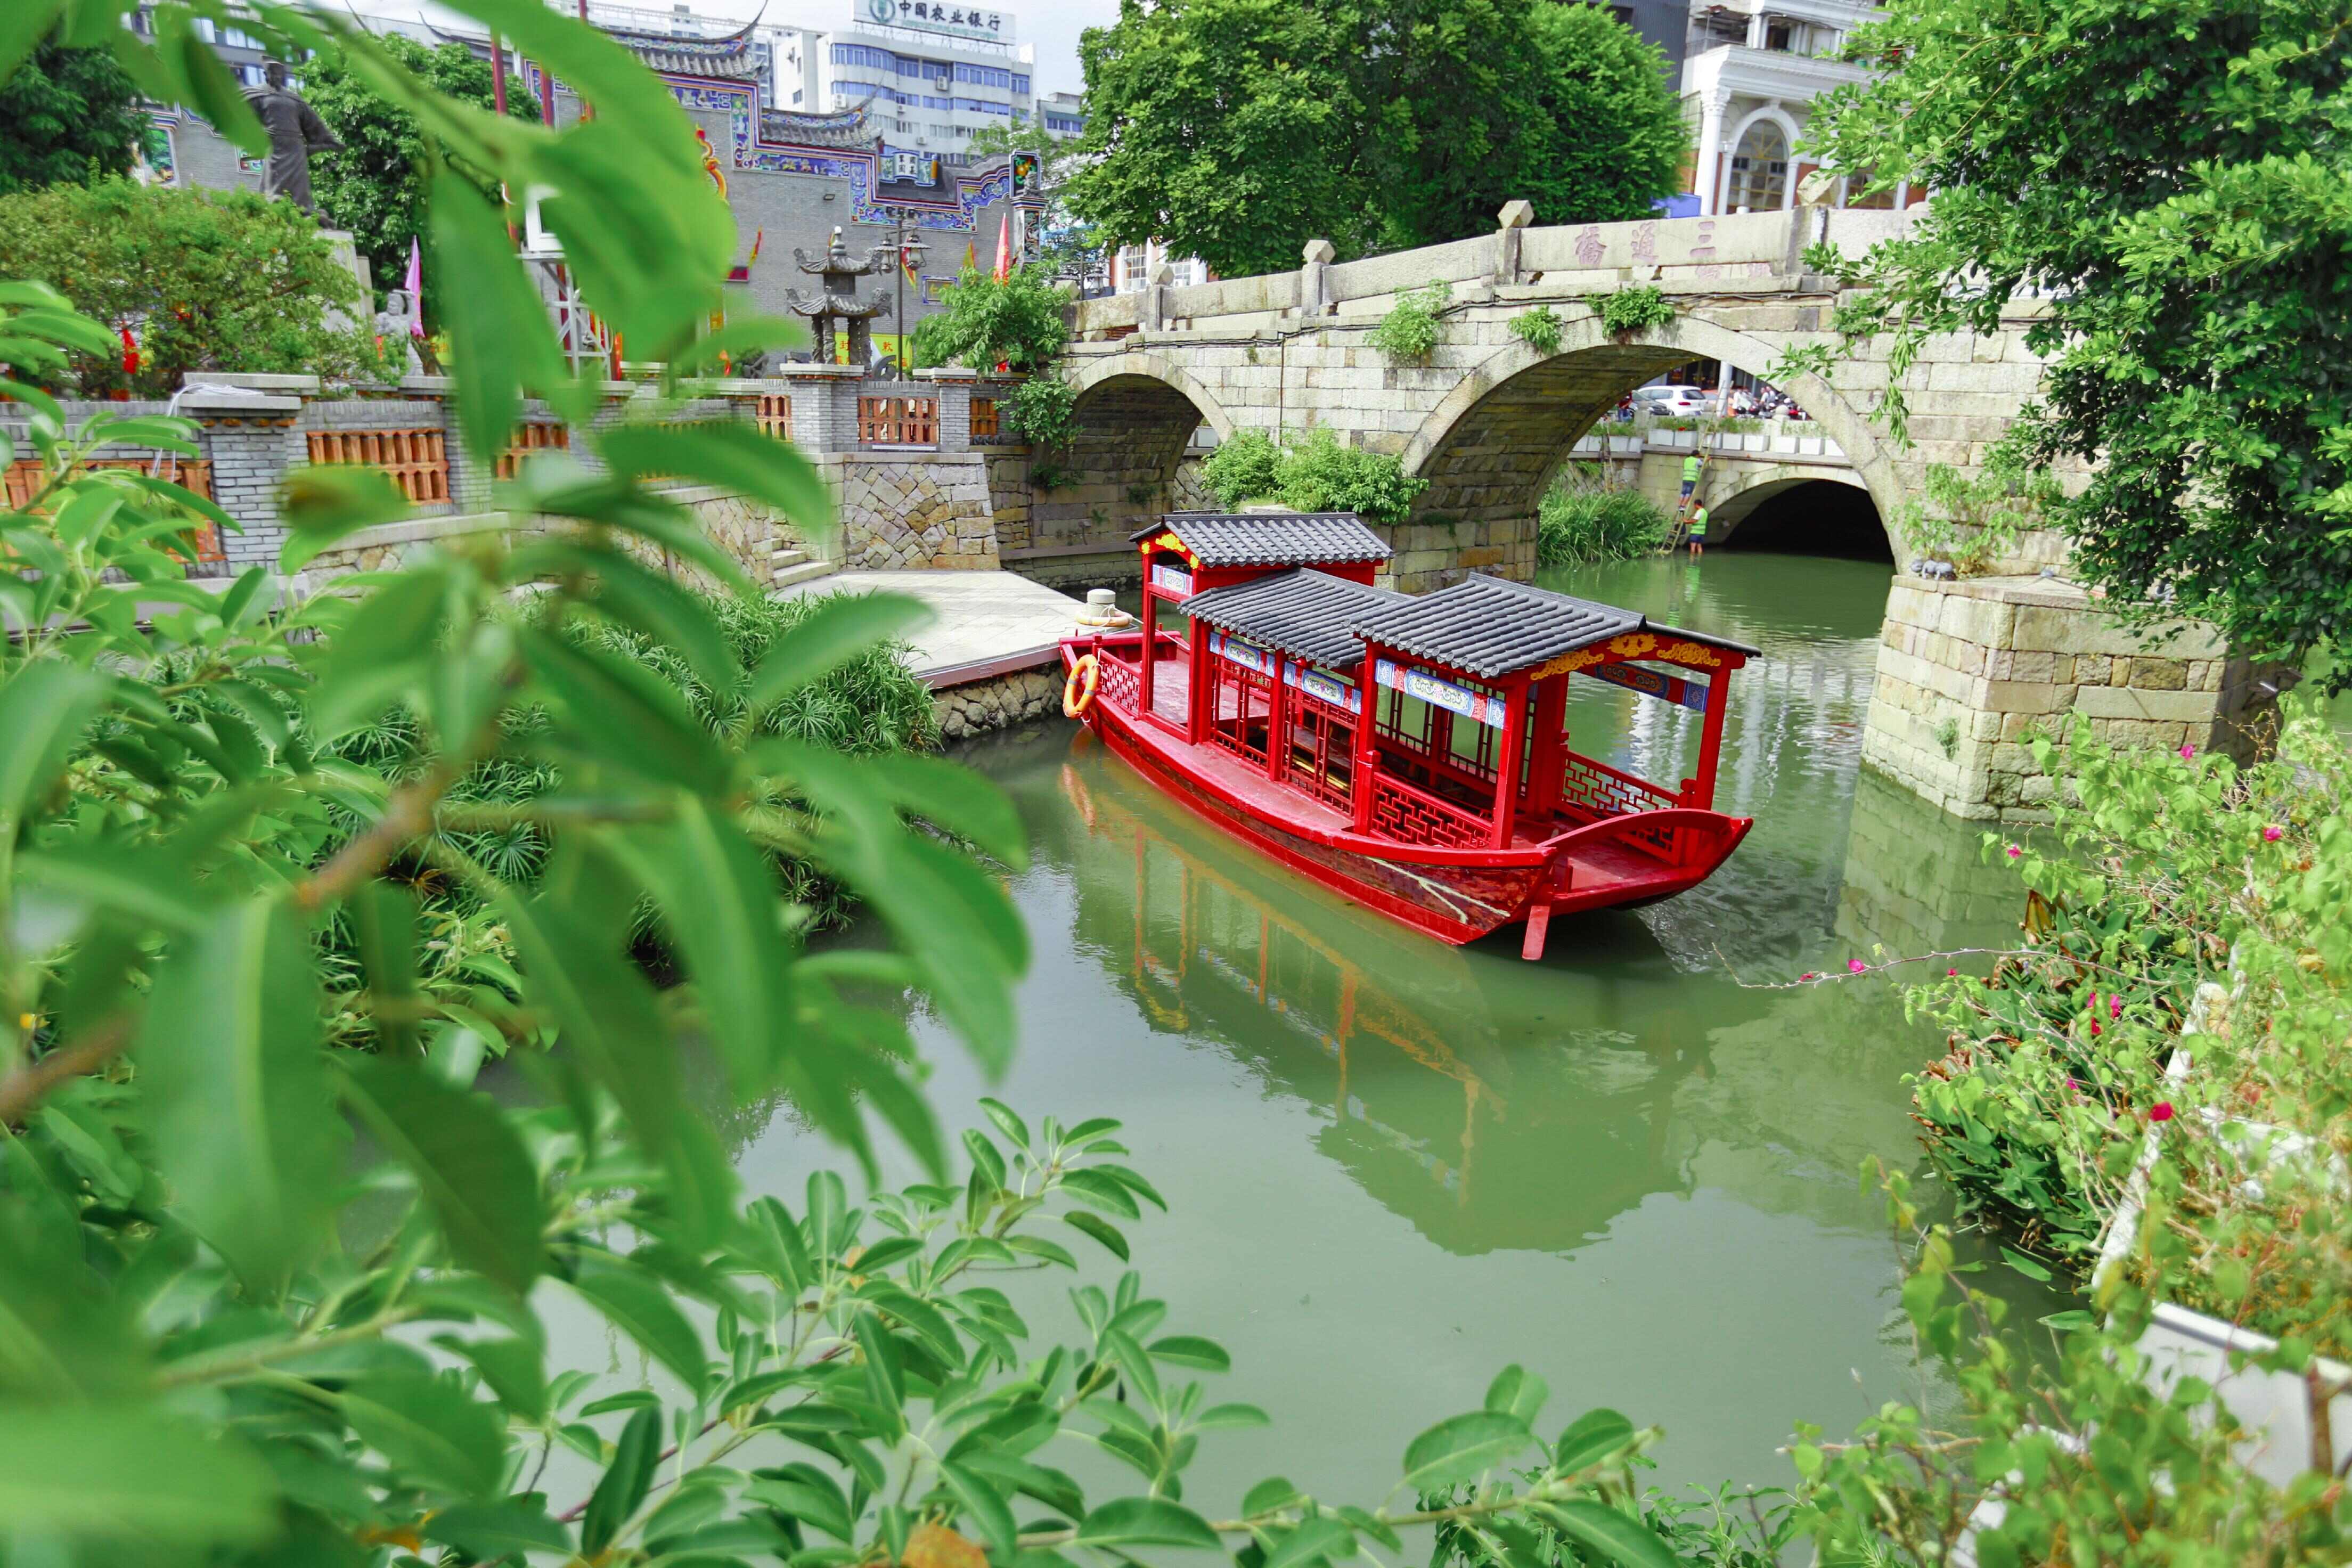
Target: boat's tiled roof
{"points": [[1304, 613], [1489, 628], [1272, 538]]}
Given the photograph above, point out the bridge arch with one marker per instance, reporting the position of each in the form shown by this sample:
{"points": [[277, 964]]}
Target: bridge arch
{"points": [[1135, 415], [1490, 443]]}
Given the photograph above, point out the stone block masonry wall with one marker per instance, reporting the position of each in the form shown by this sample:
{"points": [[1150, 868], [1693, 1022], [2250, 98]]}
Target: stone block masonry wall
{"points": [[1008, 496], [1967, 671], [1008, 700], [910, 510]]}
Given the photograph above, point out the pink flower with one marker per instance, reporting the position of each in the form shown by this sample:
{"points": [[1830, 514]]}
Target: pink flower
{"points": [[2115, 1007], [1949, 972], [2187, 752], [2161, 1112], [2093, 1002], [2095, 1027], [1855, 966], [2273, 834], [2014, 851], [1807, 975]]}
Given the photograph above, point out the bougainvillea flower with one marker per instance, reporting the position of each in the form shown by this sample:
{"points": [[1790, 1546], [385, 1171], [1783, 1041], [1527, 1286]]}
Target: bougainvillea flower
{"points": [[2014, 851], [1949, 972], [2095, 1027], [2273, 834], [2161, 1112], [2189, 752], [2115, 1007], [1855, 966]]}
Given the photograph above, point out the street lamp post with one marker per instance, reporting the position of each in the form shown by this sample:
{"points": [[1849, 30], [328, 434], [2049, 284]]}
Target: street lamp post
{"points": [[909, 254]]}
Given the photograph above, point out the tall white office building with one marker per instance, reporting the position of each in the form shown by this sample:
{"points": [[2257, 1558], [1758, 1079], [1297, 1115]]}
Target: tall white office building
{"points": [[933, 71]]}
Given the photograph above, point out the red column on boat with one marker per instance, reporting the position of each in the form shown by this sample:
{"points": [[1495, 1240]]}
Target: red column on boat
{"points": [[1197, 688], [1718, 700], [1507, 764], [1277, 724], [1551, 707], [1150, 637], [1365, 775]]}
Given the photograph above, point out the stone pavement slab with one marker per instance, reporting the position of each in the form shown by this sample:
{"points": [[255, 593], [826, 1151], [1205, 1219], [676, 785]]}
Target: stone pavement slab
{"points": [[983, 624]]}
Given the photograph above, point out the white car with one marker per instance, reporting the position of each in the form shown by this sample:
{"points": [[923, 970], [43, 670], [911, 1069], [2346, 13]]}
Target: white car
{"points": [[1673, 401]]}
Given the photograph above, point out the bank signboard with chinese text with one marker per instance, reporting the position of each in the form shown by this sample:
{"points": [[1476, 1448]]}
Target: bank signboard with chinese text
{"points": [[939, 17]]}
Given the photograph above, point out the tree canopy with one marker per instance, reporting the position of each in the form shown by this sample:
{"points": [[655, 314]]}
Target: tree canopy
{"points": [[375, 187], [2191, 245], [217, 280], [1238, 129], [68, 117]]}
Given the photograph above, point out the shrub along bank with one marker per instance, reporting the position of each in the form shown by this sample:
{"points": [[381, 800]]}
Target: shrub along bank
{"points": [[2162, 873], [1582, 522]]}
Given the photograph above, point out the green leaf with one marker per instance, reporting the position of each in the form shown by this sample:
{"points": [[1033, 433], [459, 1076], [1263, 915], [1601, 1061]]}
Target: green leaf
{"points": [[323, 502], [1191, 1350], [996, 1110], [1146, 1521], [987, 1508], [1101, 1229], [208, 87], [430, 1432], [487, 1531], [1270, 1494], [1590, 1438], [1518, 1393], [1093, 1187], [1622, 1540], [624, 1483], [842, 626], [643, 600], [234, 1098], [734, 455], [633, 1301], [2026, 1266], [718, 898], [1230, 1418], [623, 715], [468, 1161], [137, 1474], [43, 710], [886, 1383], [1462, 1448], [499, 334], [1315, 1540]]}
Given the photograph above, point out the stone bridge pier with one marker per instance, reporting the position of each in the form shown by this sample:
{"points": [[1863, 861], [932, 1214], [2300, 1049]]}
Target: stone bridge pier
{"points": [[1488, 417]]}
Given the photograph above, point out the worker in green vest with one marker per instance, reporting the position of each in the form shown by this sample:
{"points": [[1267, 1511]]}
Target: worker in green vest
{"points": [[1690, 479], [1695, 531]]}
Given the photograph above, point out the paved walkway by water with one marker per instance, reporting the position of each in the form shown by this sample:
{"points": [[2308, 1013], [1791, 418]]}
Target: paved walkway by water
{"points": [[983, 624]]}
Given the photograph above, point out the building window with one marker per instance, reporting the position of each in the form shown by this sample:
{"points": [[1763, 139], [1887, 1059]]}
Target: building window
{"points": [[1760, 170], [1021, 84], [1780, 34]]}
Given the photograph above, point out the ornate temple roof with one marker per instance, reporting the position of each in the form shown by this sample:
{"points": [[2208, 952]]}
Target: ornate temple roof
{"points": [[1271, 538], [839, 128], [725, 59], [1489, 628], [1303, 612], [728, 57]]}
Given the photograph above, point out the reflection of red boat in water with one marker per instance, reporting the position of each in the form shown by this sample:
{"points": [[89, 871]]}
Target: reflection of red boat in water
{"points": [[1407, 751]]}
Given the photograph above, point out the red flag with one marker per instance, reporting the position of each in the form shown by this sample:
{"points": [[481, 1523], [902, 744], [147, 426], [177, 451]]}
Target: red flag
{"points": [[1004, 249]]}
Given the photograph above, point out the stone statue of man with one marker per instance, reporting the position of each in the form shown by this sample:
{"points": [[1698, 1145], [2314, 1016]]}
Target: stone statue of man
{"points": [[295, 132]]}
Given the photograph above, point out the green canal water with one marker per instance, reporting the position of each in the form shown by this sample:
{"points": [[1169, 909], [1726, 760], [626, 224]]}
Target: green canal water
{"points": [[1393, 1167]]}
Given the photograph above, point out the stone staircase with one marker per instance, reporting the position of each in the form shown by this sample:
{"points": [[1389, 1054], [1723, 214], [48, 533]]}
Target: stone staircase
{"points": [[790, 565]]}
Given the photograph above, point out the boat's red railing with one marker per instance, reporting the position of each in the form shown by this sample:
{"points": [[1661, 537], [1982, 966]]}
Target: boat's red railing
{"points": [[1591, 787], [1686, 827], [1411, 816], [1121, 682]]}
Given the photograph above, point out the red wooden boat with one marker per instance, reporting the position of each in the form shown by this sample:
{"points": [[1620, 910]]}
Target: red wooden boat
{"points": [[1405, 750]]}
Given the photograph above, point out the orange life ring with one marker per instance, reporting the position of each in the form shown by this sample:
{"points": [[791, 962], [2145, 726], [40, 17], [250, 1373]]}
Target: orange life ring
{"points": [[1078, 691]]}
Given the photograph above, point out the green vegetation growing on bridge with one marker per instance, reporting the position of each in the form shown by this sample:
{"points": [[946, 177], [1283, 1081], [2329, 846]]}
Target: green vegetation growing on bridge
{"points": [[1310, 472], [1409, 333], [1634, 308], [2189, 264]]}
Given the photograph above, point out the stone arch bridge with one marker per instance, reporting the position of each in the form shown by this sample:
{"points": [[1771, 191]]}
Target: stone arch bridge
{"points": [[1489, 418], [1966, 670]]}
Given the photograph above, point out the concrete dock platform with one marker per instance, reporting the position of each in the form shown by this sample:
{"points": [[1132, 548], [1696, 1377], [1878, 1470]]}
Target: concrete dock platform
{"points": [[983, 624]]}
